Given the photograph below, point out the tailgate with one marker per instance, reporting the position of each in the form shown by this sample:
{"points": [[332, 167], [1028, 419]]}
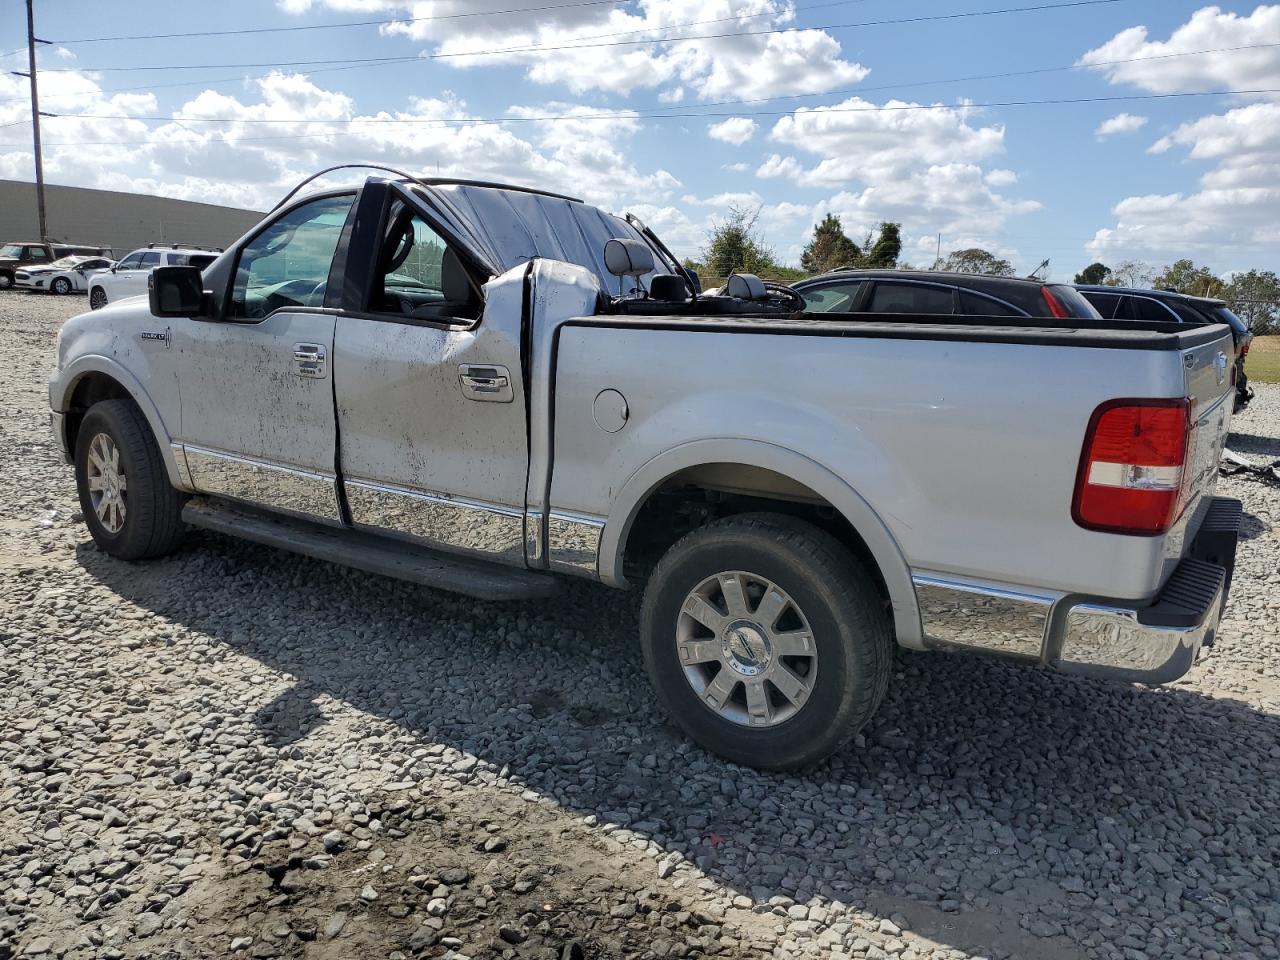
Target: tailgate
{"points": [[1209, 372]]}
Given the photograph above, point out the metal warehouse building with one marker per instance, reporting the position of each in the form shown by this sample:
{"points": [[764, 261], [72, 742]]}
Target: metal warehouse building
{"points": [[122, 221]]}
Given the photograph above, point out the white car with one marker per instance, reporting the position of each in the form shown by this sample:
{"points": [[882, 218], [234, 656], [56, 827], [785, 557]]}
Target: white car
{"points": [[68, 275], [128, 278]]}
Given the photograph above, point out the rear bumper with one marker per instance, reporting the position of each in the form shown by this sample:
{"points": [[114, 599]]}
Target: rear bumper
{"points": [[1151, 643]]}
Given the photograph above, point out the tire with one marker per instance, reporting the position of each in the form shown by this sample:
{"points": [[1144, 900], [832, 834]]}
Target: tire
{"points": [[97, 298], [149, 523], [6, 281], [60, 285], [829, 596]]}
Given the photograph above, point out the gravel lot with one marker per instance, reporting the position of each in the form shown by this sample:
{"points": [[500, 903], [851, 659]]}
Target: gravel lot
{"points": [[238, 752]]}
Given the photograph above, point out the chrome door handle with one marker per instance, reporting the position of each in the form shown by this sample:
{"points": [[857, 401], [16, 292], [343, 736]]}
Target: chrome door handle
{"points": [[308, 360], [485, 383]]}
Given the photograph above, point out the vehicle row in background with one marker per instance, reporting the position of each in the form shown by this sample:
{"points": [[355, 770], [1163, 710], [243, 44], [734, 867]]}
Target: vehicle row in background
{"points": [[927, 291], [932, 292], [68, 275], [1164, 306], [128, 278], [24, 255]]}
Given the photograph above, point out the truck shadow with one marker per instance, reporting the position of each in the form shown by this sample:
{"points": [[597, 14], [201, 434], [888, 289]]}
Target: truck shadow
{"points": [[986, 798]]}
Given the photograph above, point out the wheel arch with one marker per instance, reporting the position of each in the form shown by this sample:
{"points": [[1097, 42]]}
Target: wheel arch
{"points": [[861, 518], [93, 378]]}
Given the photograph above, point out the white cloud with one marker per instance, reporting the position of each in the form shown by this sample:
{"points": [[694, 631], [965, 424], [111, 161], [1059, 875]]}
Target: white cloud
{"points": [[739, 167], [1164, 70], [225, 157], [1120, 123], [735, 130], [857, 140], [1001, 178], [1234, 209], [610, 47]]}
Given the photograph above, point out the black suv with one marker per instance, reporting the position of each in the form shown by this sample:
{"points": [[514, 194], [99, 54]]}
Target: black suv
{"points": [[928, 291], [1163, 306]]}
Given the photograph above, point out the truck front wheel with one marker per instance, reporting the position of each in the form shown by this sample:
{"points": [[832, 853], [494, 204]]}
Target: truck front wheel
{"points": [[766, 640], [131, 509]]}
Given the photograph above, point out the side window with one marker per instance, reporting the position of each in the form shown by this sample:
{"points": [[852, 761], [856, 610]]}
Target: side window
{"points": [[32, 253], [287, 264], [832, 298], [132, 262], [150, 259], [1153, 310], [890, 297], [419, 274], [977, 305]]}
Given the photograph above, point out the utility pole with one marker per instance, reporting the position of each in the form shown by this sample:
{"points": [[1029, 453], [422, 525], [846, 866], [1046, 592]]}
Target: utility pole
{"points": [[937, 261], [35, 115]]}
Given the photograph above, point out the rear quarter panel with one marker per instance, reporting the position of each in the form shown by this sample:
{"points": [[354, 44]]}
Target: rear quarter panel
{"points": [[967, 452]]}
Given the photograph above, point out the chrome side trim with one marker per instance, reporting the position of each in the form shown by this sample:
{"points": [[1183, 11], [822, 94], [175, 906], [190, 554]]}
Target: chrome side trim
{"points": [[301, 492], [573, 543], [184, 472], [450, 523], [981, 616], [533, 523], [1110, 643]]}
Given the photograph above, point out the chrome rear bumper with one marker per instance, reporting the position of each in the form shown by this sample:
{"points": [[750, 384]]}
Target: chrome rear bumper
{"points": [[1151, 643]]}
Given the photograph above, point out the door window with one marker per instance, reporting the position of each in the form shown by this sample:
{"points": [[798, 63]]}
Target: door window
{"points": [[420, 275], [832, 298], [150, 259], [1153, 310], [977, 305], [287, 264], [132, 262], [911, 298]]}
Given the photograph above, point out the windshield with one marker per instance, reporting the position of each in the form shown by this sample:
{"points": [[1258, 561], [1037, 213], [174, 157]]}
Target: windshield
{"points": [[11, 250], [66, 263]]}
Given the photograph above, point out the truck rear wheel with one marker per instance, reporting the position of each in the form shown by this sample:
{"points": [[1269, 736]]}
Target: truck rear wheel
{"points": [[129, 506], [766, 640]]}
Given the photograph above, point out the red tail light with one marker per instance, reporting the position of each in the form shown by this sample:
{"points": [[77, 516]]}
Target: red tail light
{"points": [[1131, 469], [1056, 309]]}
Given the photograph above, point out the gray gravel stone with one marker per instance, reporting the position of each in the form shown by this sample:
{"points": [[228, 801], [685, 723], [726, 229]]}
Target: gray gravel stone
{"points": [[245, 728]]}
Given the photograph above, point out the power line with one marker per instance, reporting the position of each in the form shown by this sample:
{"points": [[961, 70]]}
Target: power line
{"points": [[790, 96], [338, 26], [437, 17], [541, 48], [480, 121]]}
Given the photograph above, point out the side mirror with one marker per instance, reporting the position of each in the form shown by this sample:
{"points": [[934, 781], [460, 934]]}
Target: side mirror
{"points": [[627, 258], [176, 292]]}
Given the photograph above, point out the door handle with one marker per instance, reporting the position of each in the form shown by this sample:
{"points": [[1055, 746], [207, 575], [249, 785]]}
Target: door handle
{"points": [[485, 383], [309, 359]]}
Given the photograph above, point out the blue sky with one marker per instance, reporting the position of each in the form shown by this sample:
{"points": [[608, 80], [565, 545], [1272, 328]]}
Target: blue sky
{"points": [[1191, 176]]}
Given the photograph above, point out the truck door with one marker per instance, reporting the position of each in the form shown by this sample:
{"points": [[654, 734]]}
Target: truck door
{"points": [[256, 387], [430, 398]]}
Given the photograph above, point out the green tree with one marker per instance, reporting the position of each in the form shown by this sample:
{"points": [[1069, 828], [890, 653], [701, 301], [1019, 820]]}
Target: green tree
{"points": [[1094, 273], [1131, 273], [733, 246], [1185, 277], [1255, 298], [830, 248], [883, 254], [975, 260]]}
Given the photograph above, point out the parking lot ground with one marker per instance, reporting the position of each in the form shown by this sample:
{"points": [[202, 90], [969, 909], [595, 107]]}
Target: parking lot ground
{"points": [[236, 752]]}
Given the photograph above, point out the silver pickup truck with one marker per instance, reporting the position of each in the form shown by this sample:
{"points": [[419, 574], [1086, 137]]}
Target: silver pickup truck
{"points": [[485, 388]]}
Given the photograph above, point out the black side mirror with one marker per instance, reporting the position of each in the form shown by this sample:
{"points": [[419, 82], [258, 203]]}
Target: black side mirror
{"points": [[176, 292]]}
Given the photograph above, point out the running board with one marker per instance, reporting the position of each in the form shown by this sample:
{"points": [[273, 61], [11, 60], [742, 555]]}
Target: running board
{"points": [[373, 554]]}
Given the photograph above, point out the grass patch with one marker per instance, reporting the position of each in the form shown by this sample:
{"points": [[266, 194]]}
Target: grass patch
{"points": [[1263, 362]]}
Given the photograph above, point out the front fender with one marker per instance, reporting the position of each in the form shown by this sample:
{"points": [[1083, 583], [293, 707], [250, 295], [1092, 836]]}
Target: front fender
{"points": [[884, 548], [62, 388]]}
